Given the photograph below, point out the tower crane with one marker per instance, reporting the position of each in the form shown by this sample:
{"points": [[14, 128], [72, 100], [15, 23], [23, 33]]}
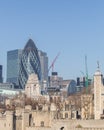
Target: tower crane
{"points": [[86, 75], [53, 62]]}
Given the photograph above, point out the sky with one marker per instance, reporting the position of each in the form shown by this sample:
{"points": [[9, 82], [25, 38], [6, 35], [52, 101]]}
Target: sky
{"points": [[75, 28]]}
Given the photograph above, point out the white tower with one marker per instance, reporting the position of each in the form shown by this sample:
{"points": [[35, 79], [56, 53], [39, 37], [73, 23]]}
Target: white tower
{"points": [[98, 84]]}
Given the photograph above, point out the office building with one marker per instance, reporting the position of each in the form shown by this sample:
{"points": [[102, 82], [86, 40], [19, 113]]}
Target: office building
{"points": [[54, 80], [13, 64], [44, 65], [29, 63], [8, 89], [1, 78], [82, 82]]}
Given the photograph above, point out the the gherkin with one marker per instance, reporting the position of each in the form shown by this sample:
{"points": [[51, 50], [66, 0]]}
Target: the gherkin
{"points": [[29, 63]]}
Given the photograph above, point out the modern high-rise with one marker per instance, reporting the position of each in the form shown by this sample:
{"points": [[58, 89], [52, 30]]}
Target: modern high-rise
{"points": [[30, 63], [13, 65], [1, 78], [44, 65]]}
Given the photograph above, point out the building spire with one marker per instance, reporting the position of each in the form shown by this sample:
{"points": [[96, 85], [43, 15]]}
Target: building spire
{"points": [[98, 72], [98, 65]]}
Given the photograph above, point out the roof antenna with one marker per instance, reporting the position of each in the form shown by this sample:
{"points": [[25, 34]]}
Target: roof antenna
{"points": [[30, 36]]}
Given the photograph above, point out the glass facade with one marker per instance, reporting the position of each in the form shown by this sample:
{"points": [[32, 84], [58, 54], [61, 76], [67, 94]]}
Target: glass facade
{"points": [[13, 64], [29, 63], [1, 78], [44, 65]]}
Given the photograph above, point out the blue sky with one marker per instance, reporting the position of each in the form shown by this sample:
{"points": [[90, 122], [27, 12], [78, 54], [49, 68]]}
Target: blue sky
{"points": [[74, 28]]}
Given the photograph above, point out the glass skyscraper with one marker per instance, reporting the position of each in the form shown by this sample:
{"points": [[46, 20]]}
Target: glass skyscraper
{"points": [[13, 65], [1, 78], [30, 63]]}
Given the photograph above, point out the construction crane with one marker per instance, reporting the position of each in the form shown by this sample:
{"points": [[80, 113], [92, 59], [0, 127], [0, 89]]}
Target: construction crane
{"points": [[86, 75], [53, 62]]}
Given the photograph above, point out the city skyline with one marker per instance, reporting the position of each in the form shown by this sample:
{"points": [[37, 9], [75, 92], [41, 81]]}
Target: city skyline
{"points": [[73, 28]]}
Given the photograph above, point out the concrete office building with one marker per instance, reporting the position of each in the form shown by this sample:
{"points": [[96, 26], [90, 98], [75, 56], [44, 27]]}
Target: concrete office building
{"points": [[55, 80], [8, 89]]}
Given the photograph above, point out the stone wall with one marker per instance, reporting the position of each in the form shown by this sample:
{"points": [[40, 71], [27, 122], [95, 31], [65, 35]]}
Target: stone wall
{"points": [[6, 121], [41, 118], [89, 129], [3, 123], [39, 128], [72, 124], [38, 120]]}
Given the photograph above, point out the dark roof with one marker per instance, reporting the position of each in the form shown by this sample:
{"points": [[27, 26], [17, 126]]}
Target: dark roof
{"points": [[30, 45]]}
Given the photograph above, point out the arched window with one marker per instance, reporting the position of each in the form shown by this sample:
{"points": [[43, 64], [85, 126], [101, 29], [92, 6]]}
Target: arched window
{"points": [[62, 128]]}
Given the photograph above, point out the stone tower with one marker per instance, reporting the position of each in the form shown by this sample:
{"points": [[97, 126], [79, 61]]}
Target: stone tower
{"points": [[32, 88], [98, 88], [9, 120]]}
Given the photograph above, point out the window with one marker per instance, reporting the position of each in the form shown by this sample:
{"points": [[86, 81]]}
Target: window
{"points": [[72, 115], [66, 115], [42, 123], [66, 107], [61, 115]]}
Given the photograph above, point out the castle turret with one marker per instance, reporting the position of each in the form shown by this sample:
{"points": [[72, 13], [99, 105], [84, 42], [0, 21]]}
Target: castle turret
{"points": [[98, 84]]}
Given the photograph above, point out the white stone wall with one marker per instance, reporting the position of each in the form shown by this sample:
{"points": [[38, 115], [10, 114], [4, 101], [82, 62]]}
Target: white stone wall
{"points": [[97, 94], [72, 124], [32, 87], [41, 116], [6, 122], [3, 123], [87, 106]]}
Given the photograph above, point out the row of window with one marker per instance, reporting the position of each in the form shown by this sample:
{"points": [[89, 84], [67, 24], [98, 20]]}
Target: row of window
{"points": [[41, 124]]}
